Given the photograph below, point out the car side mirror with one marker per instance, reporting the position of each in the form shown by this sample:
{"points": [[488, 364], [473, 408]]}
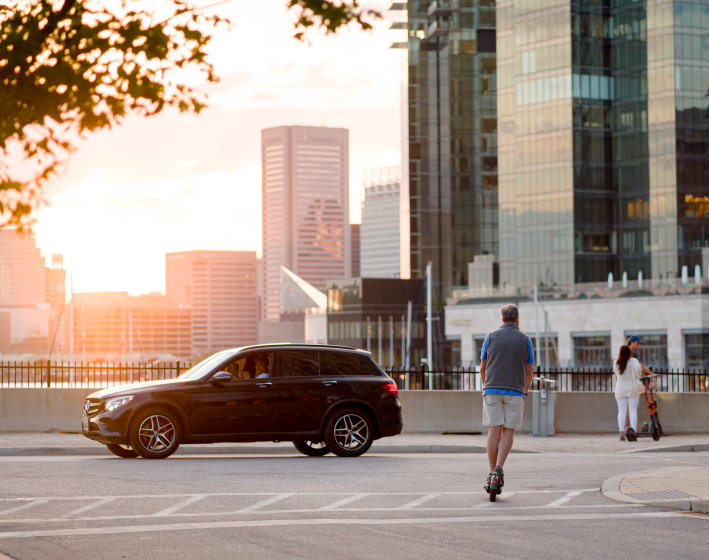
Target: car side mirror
{"points": [[220, 377]]}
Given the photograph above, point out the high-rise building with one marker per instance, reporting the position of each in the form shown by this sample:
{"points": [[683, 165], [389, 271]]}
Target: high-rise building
{"points": [[604, 139], [355, 243], [305, 189], [380, 230], [31, 296], [220, 289], [22, 270], [116, 327], [449, 155]]}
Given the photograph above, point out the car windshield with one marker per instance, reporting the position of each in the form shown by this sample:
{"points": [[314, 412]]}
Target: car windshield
{"points": [[205, 366]]}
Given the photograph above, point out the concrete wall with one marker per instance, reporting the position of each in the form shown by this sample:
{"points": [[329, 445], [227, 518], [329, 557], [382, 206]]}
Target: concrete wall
{"points": [[435, 412], [42, 410], [582, 412]]}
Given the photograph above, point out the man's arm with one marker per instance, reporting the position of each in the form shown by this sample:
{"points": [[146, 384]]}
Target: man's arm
{"points": [[483, 365], [528, 375]]}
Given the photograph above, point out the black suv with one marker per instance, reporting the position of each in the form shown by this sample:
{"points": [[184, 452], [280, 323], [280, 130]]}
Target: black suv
{"points": [[322, 398]]}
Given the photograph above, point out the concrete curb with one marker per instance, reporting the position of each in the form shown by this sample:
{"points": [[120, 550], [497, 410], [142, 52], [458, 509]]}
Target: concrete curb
{"points": [[100, 450], [611, 489], [672, 449]]}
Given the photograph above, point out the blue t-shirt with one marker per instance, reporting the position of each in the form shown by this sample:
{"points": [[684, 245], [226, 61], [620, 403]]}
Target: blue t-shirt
{"points": [[530, 360]]}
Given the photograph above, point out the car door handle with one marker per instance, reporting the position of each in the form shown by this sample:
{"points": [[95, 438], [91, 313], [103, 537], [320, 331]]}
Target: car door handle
{"points": [[329, 382], [267, 384]]}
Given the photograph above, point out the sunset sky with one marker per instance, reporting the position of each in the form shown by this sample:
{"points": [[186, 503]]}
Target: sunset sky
{"points": [[181, 182]]}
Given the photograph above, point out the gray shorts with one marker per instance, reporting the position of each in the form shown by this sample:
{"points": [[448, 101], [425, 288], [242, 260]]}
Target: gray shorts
{"points": [[503, 410]]}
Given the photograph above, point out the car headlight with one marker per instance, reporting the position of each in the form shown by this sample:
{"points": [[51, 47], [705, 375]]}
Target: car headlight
{"points": [[113, 404]]}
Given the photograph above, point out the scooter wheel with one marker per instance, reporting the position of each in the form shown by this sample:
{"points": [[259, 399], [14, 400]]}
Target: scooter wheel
{"points": [[656, 434], [494, 488], [630, 435]]}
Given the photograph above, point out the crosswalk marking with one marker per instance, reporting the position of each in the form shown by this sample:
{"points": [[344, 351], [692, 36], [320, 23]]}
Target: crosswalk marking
{"points": [[344, 501], [33, 503], [97, 503], [177, 507], [565, 499], [272, 500], [421, 500], [496, 519], [162, 496]]}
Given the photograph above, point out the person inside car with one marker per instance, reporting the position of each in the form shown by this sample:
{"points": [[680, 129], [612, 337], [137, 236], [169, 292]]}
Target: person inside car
{"points": [[260, 367]]}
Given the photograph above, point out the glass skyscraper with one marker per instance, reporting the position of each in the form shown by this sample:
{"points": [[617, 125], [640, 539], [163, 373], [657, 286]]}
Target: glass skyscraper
{"points": [[603, 138], [449, 184]]}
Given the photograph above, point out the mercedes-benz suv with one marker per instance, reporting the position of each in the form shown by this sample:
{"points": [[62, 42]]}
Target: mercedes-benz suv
{"points": [[322, 398]]}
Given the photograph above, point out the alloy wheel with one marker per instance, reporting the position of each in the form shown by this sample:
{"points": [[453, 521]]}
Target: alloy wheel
{"points": [[157, 433], [351, 432]]}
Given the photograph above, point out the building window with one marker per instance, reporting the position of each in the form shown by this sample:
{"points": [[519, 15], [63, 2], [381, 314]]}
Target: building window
{"points": [[478, 341], [696, 350], [592, 351]]}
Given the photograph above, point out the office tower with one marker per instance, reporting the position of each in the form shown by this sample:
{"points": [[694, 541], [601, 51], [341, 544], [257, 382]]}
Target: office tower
{"points": [[30, 296], [113, 326], [22, 270], [220, 289], [355, 243], [305, 207], [603, 144], [449, 182], [380, 231]]}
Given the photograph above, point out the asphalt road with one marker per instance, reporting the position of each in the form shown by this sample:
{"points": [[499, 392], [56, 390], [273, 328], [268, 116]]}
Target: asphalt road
{"points": [[377, 506]]}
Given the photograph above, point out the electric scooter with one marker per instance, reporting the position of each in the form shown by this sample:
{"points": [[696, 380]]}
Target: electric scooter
{"points": [[654, 429]]}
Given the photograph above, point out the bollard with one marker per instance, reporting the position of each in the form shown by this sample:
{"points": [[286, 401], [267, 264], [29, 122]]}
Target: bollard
{"points": [[543, 408]]}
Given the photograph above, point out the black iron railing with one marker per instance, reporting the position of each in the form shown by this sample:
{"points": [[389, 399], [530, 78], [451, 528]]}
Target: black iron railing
{"points": [[566, 379], [65, 374], [79, 374]]}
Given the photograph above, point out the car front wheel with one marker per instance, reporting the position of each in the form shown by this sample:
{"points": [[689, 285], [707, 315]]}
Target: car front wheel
{"points": [[312, 448], [349, 432], [155, 434], [122, 451]]}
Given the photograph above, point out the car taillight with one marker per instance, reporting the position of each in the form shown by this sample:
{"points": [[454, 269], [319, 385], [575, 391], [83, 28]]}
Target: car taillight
{"points": [[390, 388]]}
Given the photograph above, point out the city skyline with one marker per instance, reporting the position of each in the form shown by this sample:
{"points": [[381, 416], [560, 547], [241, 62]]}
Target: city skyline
{"points": [[159, 178]]}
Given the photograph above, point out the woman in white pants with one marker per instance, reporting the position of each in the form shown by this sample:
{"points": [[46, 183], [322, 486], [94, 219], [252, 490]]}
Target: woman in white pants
{"points": [[627, 388]]}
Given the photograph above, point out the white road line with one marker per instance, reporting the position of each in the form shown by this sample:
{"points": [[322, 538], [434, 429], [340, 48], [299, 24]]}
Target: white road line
{"points": [[295, 522], [616, 505], [421, 500], [177, 507], [344, 502], [33, 503], [479, 492], [272, 500], [97, 503], [564, 499]]}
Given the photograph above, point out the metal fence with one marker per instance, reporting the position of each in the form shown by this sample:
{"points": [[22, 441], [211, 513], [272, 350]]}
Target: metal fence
{"points": [[79, 374], [98, 375], [567, 379]]}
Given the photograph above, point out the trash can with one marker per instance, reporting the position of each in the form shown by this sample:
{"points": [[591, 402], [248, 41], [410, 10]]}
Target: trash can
{"points": [[543, 408]]}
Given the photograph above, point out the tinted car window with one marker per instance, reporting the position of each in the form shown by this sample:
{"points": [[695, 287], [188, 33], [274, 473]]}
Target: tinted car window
{"points": [[299, 364], [333, 363], [252, 366]]}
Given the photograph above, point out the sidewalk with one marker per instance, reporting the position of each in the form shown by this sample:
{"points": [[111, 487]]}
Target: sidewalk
{"points": [[683, 488], [18, 444]]}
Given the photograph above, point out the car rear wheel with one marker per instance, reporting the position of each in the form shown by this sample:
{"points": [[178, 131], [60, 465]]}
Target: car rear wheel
{"points": [[349, 432], [122, 451], [155, 434], [312, 448]]}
